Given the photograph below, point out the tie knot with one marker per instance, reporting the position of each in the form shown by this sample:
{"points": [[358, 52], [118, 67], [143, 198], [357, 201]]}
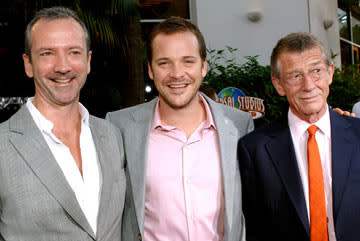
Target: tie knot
{"points": [[312, 130]]}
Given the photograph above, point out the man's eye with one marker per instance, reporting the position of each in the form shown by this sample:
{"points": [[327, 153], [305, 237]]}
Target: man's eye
{"points": [[296, 76], [47, 53], [162, 63], [189, 61], [75, 52]]}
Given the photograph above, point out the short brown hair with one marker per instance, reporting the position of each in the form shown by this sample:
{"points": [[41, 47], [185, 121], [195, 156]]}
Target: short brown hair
{"points": [[176, 25], [52, 14], [296, 42]]}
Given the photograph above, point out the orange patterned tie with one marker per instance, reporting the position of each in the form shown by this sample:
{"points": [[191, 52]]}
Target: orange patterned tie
{"points": [[318, 219]]}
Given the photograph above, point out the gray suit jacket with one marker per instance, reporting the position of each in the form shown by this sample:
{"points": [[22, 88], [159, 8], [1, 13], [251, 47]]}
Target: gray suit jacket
{"points": [[134, 124], [36, 201]]}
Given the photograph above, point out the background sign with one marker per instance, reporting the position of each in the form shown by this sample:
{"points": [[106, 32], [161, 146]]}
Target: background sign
{"points": [[235, 98]]}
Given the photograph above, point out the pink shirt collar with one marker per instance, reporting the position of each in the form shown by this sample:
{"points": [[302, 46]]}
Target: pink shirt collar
{"points": [[208, 123]]}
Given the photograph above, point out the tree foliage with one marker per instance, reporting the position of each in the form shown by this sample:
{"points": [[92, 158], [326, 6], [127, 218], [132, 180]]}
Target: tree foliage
{"points": [[345, 88]]}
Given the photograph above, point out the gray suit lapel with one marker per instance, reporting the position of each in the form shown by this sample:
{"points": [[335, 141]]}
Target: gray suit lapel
{"points": [[228, 137], [138, 142], [29, 142], [104, 152]]}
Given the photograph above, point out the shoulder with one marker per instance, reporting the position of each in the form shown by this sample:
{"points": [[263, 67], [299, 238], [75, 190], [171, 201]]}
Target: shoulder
{"points": [[274, 129], [101, 124], [228, 111], [7, 131], [241, 120], [105, 127], [4, 131], [16, 120], [4, 126], [351, 123], [130, 112]]}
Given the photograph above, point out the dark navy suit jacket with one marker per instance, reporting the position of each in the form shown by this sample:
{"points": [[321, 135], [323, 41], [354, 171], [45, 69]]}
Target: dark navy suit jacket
{"points": [[273, 199]]}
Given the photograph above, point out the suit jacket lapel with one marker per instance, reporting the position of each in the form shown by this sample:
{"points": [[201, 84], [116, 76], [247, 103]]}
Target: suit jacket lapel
{"points": [[227, 146], [138, 140], [342, 145], [281, 151], [30, 143], [104, 152]]}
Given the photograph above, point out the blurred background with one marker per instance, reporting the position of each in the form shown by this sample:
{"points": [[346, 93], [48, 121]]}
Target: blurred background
{"points": [[239, 36]]}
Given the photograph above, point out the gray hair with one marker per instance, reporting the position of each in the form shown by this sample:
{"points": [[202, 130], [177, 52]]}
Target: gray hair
{"points": [[52, 14], [296, 42]]}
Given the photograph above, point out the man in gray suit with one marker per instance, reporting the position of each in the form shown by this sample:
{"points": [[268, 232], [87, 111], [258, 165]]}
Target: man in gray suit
{"points": [[61, 170], [183, 173]]}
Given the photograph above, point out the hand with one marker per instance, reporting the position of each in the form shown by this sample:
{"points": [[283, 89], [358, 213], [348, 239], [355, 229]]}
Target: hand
{"points": [[344, 113]]}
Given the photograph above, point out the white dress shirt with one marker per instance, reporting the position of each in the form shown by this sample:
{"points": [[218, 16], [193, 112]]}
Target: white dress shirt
{"points": [[86, 187], [299, 134]]}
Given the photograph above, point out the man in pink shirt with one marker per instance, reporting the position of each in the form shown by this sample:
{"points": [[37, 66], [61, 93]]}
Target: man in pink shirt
{"points": [[184, 178]]}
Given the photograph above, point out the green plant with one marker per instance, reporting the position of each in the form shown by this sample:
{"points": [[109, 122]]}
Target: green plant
{"points": [[251, 77], [345, 88]]}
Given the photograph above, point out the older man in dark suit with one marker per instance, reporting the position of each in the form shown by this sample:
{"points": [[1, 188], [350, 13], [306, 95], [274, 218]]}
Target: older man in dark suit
{"points": [[300, 175]]}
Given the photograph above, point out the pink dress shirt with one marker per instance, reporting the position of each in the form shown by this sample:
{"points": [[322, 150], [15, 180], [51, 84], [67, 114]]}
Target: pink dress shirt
{"points": [[184, 190]]}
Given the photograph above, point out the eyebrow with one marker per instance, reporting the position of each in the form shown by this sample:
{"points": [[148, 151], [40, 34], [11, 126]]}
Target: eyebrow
{"points": [[53, 48], [45, 48], [316, 63], [311, 65], [161, 59]]}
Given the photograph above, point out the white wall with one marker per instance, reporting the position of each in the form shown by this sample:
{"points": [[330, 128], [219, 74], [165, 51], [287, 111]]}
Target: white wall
{"points": [[224, 22], [321, 10]]}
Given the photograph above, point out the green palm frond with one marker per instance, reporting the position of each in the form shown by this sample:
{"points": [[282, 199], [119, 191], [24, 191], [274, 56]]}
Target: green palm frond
{"points": [[100, 30]]}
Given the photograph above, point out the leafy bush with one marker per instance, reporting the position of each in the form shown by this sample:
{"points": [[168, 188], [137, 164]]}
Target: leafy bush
{"points": [[251, 77], [255, 80], [344, 90]]}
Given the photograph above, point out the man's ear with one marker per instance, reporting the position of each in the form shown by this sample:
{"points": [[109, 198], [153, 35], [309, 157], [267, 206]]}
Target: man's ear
{"points": [[28, 66], [331, 71], [89, 61], [278, 86], [150, 72], [204, 69]]}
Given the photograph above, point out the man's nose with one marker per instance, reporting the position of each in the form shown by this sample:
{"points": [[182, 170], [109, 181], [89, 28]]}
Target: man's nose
{"points": [[309, 82], [62, 64], [177, 71]]}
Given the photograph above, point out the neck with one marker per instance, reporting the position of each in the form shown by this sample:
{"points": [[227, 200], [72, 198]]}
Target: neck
{"points": [[65, 118], [186, 118], [311, 118]]}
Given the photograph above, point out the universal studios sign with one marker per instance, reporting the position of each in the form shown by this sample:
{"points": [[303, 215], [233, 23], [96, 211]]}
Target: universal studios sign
{"points": [[235, 98]]}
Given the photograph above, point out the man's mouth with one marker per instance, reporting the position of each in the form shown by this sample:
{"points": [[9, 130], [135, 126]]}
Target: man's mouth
{"points": [[62, 81], [310, 98], [177, 85]]}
